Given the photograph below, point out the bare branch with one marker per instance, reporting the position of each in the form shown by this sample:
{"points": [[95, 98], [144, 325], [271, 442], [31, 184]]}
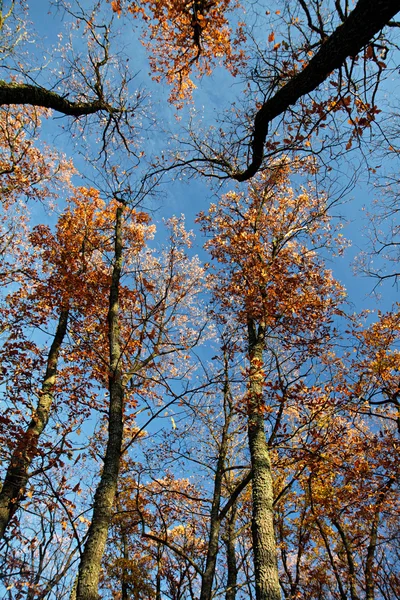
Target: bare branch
{"points": [[23, 93]]}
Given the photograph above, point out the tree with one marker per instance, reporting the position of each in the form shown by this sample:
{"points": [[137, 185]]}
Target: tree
{"points": [[334, 525], [159, 332], [182, 37], [273, 285], [155, 324], [14, 485], [26, 173], [356, 30], [371, 379]]}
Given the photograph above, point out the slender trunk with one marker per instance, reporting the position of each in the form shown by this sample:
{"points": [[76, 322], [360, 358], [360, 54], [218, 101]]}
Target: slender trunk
{"points": [[90, 565], [215, 520], [158, 577], [17, 476], [213, 537], [264, 543], [229, 539], [350, 561], [125, 552], [342, 593], [369, 563]]}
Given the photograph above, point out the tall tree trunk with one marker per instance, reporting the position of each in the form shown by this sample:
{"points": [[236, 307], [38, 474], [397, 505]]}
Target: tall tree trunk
{"points": [[229, 540], [125, 551], [264, 543], [89, 568], [350, 560], [215, 520], [158, 576], [17, 475], [215, 526], [373, 540], [369, 563]]}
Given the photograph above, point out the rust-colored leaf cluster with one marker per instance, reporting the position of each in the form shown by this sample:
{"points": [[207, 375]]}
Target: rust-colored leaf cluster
{"points": [[187, 40]]}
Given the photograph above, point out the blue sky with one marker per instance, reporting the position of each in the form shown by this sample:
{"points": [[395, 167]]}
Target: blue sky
{"points": [[191, 195]]}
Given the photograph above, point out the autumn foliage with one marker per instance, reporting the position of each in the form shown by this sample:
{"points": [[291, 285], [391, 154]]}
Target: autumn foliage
{"points": [[196, 418], [187, 40]]}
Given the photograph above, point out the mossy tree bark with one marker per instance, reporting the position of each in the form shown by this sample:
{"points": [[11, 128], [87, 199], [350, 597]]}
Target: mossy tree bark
{"points": [[215, 517], [264, 542], [12, 92], [17, 475], [90, 564], [229, 539]]}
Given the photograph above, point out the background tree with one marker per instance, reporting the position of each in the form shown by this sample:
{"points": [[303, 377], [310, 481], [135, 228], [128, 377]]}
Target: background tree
{"points": [[161, 331], [273, 285]]}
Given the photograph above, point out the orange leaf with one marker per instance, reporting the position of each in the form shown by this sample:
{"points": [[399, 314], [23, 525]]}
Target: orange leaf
{"points": [[271, 36], [116, 6]]}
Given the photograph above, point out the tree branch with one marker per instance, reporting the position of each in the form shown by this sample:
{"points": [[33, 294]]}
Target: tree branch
{"points": [[235, 495], [363, 23], [174, 548], [23, 93]]}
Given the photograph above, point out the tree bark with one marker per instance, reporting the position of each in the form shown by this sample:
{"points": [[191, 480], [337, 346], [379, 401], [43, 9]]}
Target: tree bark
{"points": [[34, 95], [369, 563], [215, 520], [90, 565], [17, 476], [158, 576], [362, 24], [125, 556], [232, 570], [264, 543]]}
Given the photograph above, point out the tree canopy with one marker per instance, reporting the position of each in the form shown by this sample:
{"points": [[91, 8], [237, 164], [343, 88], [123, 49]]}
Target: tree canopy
{"points": [[196, 407]]}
